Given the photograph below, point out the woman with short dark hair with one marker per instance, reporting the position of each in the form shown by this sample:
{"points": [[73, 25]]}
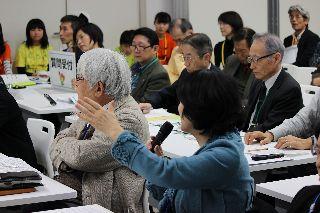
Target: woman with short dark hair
{"points": [[229, 22], [166, 43], [88, 36], [32, 55], [216, 178]]}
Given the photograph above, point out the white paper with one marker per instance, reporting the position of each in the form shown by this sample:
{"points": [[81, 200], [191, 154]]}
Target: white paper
{"points": [[290, 54]]}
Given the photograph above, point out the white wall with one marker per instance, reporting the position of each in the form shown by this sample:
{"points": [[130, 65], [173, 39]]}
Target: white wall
{"points": [[112, 17], [155, 6], [204, 15], [15, 14], [312, 6]]}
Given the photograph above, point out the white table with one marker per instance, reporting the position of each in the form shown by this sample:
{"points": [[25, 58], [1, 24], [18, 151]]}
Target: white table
{"points": [[178, 145], [31, 99], [95, 208], [50, 191], [286, 189]]}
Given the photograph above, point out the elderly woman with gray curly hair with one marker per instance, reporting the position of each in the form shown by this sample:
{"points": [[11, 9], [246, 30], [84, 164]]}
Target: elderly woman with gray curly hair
{"points": [[82, 155]]}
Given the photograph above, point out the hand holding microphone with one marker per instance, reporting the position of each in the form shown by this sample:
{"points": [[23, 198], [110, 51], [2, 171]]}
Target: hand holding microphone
{"points": [[163, 133]]}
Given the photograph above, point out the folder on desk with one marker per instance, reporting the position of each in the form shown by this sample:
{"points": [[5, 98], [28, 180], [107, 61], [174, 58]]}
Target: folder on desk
{"points": [[19, 180]]}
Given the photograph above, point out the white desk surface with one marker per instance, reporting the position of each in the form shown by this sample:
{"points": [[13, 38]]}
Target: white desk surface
{"points": [[32, 99], [95, 208], [50, 191], [178, 144], [286, 189]]}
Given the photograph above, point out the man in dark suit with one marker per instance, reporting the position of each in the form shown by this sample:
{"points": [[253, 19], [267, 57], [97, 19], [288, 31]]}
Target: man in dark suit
{"points": [[274, 95], [237, 64], [197, 51], [14, 137], [305, 40], [148, 75]]}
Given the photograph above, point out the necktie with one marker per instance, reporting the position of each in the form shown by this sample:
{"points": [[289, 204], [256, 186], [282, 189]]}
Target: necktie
{"points": [[261, 98], [295, 40], [86, 133]]}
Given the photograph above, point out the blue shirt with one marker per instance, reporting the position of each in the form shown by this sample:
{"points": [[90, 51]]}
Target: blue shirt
{"points": [[215, 179]]}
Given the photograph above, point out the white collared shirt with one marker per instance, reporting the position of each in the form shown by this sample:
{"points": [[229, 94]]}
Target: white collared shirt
{"points": [[300, 34], [268, 83]]}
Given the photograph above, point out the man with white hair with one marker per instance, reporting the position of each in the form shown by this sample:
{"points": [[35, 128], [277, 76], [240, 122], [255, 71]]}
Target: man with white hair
{"points": [[305, 40], [274, 95], [83, 155]]}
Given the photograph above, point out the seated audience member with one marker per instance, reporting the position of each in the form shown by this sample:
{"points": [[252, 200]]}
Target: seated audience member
{"points": [[32, 55], [197, 52], [210, 109], [229, 22], [315, 59], [237, 65], [315, 77], [274, 95], [88, 35], [82, 155], [148, 75], [299, 132], [302, 36], [166, 43], [307, 199], [180, 30], [5, 55], [124, 48], [14, 136], [68, 25]]}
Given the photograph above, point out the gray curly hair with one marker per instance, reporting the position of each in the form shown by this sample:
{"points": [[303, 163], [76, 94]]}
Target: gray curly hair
{"points": [[108, 67], [305, 14]]}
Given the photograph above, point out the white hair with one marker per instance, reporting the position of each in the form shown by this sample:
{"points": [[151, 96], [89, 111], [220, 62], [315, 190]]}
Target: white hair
{"points": [[305, 14], [108, 67], [272, 43]]}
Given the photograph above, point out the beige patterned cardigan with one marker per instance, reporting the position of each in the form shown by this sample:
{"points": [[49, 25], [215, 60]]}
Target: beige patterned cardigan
{"points": [[104, 180]]}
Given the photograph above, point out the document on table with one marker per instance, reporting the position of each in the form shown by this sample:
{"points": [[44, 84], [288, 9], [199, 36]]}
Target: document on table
{"points": [[252, 162], [161, 115], [290, 54]]}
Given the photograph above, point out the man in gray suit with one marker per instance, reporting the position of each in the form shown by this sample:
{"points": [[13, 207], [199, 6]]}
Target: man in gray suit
{"points": [[237, 65]]}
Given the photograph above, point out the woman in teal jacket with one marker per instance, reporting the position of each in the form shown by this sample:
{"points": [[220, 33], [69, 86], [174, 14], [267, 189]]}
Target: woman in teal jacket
{"points": [[216, 178]]}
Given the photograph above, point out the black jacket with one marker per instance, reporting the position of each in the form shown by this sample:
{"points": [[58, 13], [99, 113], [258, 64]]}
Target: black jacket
{"points": [[283, 101], [167, 97], [304, 199], [228, 50], [14, 137], [306, 47]]}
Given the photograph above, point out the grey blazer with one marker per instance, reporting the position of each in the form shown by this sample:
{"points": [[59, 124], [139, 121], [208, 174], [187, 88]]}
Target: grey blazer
{"points": [[104, 180], [231, 67]]}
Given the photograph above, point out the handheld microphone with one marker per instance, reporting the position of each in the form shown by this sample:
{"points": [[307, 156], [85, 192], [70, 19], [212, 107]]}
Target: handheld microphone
{"points": [[163, 133]]}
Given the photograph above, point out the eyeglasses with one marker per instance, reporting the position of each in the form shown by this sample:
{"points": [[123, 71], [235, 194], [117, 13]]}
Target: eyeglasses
{"points": [[253, 59], [190, 57], [291, 17], [187, 58], [138, 47], [79, 77], [315, 149]]}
